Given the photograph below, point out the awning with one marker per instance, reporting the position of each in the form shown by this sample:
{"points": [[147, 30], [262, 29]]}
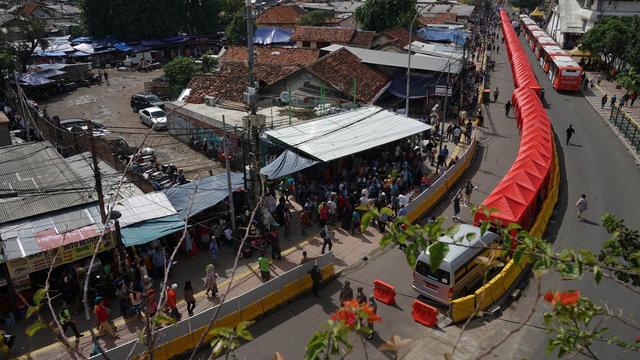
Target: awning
{"points": [[287, 163], [537, 12], [203, 193], [85, 48], [351, 132], [122, 47], [456, 36], [149, 230], [579, 53], [422, 85]]}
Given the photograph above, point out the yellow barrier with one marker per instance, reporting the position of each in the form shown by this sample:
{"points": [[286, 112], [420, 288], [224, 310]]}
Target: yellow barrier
{"points": [[462, 308], [328, 272], [496, 288], [230, 320], [252, 311], [272, 300], [291, 290]]}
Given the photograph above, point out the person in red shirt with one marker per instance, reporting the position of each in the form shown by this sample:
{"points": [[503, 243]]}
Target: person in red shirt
{"points": [[102, 316], [171, 302]]}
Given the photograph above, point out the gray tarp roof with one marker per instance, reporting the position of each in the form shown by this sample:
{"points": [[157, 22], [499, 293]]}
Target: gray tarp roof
{"points": [[287, 163], [205, 193]]}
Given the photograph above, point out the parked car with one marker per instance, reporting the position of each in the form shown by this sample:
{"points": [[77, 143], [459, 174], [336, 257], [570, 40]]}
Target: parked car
{"points": [[153, 117], [81, 124], [143, 101]]}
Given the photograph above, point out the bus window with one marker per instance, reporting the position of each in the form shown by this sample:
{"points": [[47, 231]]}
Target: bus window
{"points": [[570, 73]]}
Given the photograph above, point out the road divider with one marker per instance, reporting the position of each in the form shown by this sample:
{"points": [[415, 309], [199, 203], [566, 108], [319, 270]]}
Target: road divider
{"points": [[384, 292], [424, 314], [184, 335]]}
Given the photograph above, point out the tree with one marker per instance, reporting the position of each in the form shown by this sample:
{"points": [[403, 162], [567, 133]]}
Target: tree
{"points": [[35, 37], [609, 38], [209, 62], [379, 15], [526, 4], [236, 31], [315, 18], [179, 71]]}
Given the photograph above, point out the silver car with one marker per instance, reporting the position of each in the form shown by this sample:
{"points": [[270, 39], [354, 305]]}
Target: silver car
{"points": [[153, 117], [81, 125]]}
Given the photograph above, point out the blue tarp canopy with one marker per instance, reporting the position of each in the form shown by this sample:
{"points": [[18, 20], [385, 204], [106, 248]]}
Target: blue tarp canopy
{"points": [[287, 163], [422, 85], [456, 36], [203, 193], [175, 39], [51, 53], [152, 42], [81, 40], [149, 230], [122, 47], [80, 54], [272, 35]]}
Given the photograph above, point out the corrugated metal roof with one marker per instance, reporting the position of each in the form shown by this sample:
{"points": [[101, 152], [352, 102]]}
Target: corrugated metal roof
{"points": [[19, 237], [144, 207], [41, 178], [83, 166]]}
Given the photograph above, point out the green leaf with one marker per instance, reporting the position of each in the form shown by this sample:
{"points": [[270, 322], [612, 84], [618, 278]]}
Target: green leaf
{"points": [[32, 310], [224, 332], [484, 227], [597, 273], [437, 252], [39, 296], [161, 318], [242, 332], [386, 239], [217, 345], [366, 220], [387, 211], [34, 328], [412, 255]]}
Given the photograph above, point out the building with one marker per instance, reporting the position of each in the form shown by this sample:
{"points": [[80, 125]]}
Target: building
{"points": [[11, 27], [317, 37], [283, 16], [435, 10], [395, 39], [571, 18], [58, 18]]}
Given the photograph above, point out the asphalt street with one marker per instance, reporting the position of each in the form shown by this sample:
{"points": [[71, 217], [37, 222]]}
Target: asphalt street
{"points": [[595, 164]]}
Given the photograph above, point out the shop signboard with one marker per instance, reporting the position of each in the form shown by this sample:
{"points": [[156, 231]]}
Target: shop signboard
{"points": [[19, 269]]}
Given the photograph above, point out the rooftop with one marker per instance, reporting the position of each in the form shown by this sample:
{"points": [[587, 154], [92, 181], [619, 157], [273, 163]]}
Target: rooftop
{"points": [[438, 19], [41, 180], [333, 35], [344, 70], [268, 55], [267, 73], [219, 86], [284, 14], [400, 35], [398, 60]]}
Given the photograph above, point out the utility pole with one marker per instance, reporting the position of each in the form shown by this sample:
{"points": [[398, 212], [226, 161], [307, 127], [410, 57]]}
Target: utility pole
{"points": [[463, 73], [225, 146], [96, 172], [444, 114], [252, 100]]}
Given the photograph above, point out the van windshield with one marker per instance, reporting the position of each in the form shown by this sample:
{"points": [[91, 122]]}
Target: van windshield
{"points": [[153, 98], [439, 275]]}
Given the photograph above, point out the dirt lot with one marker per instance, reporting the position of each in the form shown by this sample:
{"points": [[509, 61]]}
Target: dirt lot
{"points": [[109, 105]]}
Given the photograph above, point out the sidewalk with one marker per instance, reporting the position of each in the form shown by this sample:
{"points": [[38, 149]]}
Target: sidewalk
{"points": [[594, 98]]}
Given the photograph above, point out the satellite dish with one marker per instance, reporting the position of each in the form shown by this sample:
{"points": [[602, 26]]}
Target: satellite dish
{"points": [[284, 96]]}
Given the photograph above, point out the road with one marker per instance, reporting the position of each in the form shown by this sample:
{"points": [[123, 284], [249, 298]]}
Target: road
{"points": [[109, 105], [595, 164]]}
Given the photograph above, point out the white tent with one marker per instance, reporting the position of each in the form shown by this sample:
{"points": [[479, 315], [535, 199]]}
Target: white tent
{"points": [[347, 133]]}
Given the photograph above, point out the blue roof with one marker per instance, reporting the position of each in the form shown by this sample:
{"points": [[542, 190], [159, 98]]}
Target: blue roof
{"points": [[422, 85], [122, 47], [149, 230], [443, 35], [203, 193]]}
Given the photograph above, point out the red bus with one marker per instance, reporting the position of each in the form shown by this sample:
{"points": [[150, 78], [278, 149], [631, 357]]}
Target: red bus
{"points": [[543, 41], [529, 29], [546, 52], [564, 73], [533, 40]]}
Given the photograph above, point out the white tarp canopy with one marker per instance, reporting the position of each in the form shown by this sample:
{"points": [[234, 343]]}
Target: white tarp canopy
{"points": [[347, 133], [439, 50], [144, 207]]}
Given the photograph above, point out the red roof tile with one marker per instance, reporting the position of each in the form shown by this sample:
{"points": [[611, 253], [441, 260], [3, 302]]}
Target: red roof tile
{"points": [[279, 56], [220, 86], [323, 34], [363, 38], [285, 14], [29, 8], [437, 19], [340, 68], [399, 34], [267, 73]]}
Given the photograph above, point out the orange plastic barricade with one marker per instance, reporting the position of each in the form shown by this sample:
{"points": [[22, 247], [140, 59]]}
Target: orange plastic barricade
{"points": [[424, 314], [384, 292]]}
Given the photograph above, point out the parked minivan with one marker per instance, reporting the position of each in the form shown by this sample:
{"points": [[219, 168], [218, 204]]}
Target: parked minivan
{"points": [[143, 101], [460, 272]]}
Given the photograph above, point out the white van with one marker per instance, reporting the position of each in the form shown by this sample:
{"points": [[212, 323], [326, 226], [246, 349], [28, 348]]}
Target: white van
{"points": [[459, 272]]}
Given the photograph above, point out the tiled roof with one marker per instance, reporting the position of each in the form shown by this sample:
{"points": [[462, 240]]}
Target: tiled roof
{"points": [[278, 56], [363, 38], [29, 8], [324, 34], [341, 68], [286, 14], [399, 34], [437, 19], [219, 86], [267, 73]]}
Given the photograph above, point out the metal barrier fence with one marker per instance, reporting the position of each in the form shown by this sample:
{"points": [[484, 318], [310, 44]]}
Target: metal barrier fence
{"points": [[628, 127], [423, 202], [192, 327]]}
